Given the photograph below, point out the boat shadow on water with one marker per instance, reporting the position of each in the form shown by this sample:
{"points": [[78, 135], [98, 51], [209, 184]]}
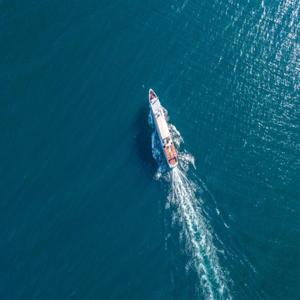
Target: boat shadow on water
{"points": [[142, 140]]}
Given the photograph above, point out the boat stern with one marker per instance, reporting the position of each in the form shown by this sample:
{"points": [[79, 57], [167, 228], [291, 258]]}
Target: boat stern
{"points": [[171, 156], [173, 163]]}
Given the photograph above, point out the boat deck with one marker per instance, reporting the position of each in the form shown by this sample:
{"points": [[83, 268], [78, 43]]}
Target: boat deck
{"points": [[170, 153]]}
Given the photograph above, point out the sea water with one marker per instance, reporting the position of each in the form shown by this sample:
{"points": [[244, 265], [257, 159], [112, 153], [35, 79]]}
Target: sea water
{"points": [[84, 212]]}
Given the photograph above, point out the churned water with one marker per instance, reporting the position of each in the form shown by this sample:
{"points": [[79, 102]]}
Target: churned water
{"points": [[85, 214], [186, 203]]}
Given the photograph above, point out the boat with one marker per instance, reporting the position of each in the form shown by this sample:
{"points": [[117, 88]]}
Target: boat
{"points": [[162, 128]]}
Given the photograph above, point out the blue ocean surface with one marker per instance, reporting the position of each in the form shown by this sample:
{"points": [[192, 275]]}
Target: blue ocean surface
{"points": [[88, 210]]}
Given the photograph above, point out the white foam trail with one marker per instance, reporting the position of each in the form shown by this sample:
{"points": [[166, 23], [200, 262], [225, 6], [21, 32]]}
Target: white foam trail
{"points": [[186, 203], [197, 235]]}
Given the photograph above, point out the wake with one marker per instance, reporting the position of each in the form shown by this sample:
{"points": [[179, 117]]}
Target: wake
{"points": [[186, 202]]}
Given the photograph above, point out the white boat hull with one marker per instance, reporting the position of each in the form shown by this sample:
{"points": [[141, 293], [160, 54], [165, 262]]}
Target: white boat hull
{"points": [[162, 129]]}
